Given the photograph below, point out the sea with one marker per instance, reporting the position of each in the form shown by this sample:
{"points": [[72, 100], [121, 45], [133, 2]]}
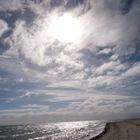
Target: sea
{"points": [[80, 130]]}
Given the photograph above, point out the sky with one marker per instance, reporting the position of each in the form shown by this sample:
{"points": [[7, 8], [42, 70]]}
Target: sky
{"points": [[69, 60]]}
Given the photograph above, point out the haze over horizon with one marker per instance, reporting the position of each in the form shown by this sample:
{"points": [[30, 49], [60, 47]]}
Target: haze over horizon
{"points": [[64, 60]]}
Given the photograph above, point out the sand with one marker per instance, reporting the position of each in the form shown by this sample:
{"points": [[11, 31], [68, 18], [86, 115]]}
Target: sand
{"points": [[123, 130]]}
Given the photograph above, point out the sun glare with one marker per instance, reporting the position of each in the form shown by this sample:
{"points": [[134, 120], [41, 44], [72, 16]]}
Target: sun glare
{"points": [[65, 29]]}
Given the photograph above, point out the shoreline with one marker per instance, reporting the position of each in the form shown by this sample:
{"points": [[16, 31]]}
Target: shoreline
{"points": [[120, 130]]}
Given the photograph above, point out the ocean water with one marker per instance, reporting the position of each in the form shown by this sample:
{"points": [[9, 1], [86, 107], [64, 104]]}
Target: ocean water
{"points": [[82, 130]]}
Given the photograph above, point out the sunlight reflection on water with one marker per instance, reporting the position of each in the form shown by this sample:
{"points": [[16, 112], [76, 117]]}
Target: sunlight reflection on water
{"points": [[82, 130]]}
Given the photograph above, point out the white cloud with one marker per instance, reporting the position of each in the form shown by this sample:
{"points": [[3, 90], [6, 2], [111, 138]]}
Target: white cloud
{"points": [[3, 27], [34, 106], [112, 67], [133, 71], [111, 28], [105, 51], [105, 80]]}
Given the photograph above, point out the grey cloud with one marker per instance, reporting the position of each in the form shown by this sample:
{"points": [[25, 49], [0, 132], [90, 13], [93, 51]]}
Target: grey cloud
{"points": [[10, 5]]}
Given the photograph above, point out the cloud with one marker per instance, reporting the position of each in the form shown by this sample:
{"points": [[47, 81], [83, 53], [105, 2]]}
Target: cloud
{"points": [[57, 94], [117, 28], [105, 51], [106, 41], [3, 27], [70, 76], [133, 71], [32, 106], [105, 104], [112, 67], [98, 107], [10, 5]]}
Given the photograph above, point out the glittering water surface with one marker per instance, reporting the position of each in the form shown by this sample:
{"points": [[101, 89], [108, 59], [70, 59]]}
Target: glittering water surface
{"points": [[54, 131]]}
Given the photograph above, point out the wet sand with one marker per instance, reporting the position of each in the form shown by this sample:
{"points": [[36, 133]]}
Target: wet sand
{"points": [[123, 130]]}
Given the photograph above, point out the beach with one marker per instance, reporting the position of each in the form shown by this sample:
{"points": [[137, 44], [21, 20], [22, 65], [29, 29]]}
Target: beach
{"points": [[122, 130]]}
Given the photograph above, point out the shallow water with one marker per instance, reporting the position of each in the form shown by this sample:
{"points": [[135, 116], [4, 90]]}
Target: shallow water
{"points": [[82, 130]]}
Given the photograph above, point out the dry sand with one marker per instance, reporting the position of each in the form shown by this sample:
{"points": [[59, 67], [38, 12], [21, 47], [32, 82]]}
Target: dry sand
{"points": [[123, 130]]}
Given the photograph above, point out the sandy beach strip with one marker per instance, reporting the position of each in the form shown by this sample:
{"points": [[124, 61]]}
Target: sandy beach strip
{"points": [[122, 130]]}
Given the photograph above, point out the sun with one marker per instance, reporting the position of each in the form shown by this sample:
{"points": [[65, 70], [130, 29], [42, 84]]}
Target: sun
{"points": [[65, 29]]}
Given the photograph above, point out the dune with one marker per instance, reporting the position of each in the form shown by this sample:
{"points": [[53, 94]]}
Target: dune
{"points": [[122, 130]]}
